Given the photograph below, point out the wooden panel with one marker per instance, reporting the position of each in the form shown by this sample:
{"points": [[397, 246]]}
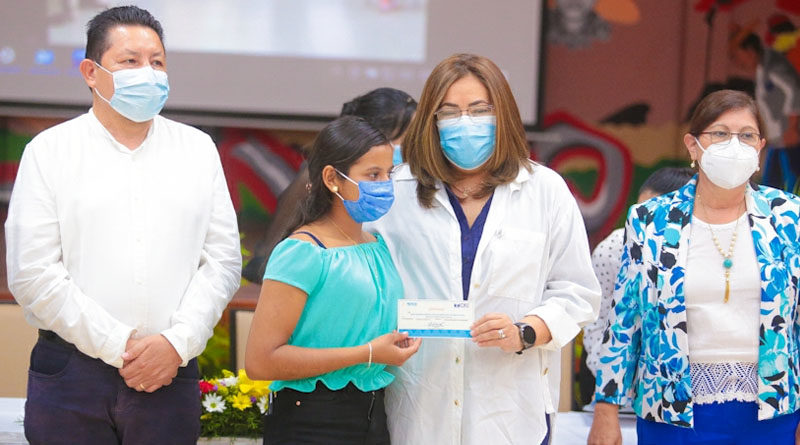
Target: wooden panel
{"points": [[15, 350]]}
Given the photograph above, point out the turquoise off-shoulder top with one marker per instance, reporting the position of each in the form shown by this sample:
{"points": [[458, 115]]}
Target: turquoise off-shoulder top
{"points": [[352, 298]]}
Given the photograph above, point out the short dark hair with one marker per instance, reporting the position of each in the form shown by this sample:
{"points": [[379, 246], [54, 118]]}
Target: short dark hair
{"points": [[97, 28], [718, 103], [666, 179], [387, 109], [340, 144]]}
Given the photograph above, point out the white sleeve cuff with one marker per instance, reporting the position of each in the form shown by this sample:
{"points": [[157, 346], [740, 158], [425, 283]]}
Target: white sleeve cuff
{"points": [[560, 324]]}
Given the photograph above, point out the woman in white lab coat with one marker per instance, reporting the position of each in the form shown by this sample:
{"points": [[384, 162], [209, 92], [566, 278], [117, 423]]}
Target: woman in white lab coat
{"points": [[474, 219]]}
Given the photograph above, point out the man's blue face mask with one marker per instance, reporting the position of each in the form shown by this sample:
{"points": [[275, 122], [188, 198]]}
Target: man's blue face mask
{"points": [[139, 93]]}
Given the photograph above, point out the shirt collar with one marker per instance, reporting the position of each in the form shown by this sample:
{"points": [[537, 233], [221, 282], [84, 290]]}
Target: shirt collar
{"points": [[120, 147]]}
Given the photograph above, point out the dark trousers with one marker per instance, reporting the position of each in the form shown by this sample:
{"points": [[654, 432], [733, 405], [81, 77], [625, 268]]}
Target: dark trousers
{"points": [[346, 416], [75, 399]]}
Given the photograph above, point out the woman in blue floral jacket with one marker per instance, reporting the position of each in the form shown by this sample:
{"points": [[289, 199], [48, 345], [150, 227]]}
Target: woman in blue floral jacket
{"points": [[704, 323]]}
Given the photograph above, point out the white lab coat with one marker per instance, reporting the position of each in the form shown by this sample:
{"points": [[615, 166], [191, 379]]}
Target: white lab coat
{"points": [[533, 258]]}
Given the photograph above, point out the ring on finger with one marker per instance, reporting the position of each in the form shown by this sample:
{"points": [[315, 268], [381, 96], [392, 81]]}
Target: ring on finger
{"points": [[502, 334], [141, 386]]}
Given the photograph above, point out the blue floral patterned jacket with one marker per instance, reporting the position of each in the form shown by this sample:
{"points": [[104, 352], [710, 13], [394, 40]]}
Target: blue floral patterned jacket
{"points": [[645, 346]]}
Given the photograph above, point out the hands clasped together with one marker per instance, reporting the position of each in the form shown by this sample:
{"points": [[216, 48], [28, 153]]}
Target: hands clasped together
{"points": [[149, 363]]}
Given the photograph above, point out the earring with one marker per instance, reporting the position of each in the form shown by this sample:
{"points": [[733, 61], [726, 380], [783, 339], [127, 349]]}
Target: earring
{"points": [[335, 189], [693, 165]]}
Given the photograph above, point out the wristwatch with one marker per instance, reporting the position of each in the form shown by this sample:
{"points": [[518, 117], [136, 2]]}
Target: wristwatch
{"points": [[527, 335]]}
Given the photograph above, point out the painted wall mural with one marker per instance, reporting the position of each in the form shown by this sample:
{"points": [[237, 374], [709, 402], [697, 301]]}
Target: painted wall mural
{"points": [[637, 82]]}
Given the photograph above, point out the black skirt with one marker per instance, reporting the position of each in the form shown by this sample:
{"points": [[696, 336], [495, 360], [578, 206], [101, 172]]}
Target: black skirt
{"points": [[323, 416]]}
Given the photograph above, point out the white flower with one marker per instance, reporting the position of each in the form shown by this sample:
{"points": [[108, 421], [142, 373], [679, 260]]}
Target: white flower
{"points": [[262, 404], [228, 381], [213, 403]]}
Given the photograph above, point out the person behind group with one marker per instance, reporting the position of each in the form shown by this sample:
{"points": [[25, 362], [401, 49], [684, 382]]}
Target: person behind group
{"points": [[777, 93], [474, 219], [123, 249], [607, 255], [705, 304], [387, 109], [323, 324]]}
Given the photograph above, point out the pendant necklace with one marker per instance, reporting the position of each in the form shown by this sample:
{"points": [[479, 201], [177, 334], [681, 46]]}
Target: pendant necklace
{"points": [[464, 193], [342, 231], [727, 262]]}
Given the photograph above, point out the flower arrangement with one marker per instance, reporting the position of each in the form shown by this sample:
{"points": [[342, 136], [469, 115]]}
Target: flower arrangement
{"points": [[233, 405]]}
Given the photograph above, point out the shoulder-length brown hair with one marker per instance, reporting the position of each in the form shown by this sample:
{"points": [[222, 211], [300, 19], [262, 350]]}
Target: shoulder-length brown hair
{"points": [[421, 148], [718, 103]]}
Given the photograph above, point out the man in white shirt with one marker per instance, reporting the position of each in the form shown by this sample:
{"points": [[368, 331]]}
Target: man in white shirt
{"points": [[123, 249]]}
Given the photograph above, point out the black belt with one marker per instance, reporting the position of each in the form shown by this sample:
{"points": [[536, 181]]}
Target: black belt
{"points": [[52, 337]]}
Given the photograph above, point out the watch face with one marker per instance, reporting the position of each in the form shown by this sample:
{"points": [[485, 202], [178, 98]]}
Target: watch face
{"points": [[528, 334]]}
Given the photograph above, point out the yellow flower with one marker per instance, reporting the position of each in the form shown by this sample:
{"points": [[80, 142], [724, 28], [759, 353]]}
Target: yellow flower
{"points": [[241, 402], [255, 388]]}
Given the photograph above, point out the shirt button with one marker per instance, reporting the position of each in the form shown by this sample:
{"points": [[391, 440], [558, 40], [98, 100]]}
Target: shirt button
{"points": [[458, 360], [456, 402], [476, 285], [545, 371]]}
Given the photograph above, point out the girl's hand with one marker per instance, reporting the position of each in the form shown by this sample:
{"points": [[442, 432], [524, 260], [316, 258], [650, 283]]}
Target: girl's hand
{"points": [[394, 348]]}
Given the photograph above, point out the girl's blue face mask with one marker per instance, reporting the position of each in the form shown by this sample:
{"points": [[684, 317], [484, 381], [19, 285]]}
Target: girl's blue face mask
{"points": [[375, 198], [468, 142]]}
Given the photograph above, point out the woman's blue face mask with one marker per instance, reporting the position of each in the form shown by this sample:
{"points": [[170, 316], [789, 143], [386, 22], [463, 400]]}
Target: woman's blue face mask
{"points": [[397, 154], [468, 142], [375, 198]]}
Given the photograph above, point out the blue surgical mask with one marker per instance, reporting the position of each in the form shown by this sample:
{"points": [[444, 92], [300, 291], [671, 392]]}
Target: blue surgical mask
{"points": [[139, 93], [374, 200], [397, 156], [468, 142]]}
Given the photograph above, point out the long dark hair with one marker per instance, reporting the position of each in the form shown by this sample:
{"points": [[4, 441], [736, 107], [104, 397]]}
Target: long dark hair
{"points": [[340, 144], [387, 109]]}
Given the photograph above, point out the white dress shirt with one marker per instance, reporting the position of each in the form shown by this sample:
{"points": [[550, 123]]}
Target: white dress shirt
{"points": [[105, 242], [533, 259]]}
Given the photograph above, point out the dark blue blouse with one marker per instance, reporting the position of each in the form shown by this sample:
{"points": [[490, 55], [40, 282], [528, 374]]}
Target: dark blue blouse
{"points": [[470, 237]]}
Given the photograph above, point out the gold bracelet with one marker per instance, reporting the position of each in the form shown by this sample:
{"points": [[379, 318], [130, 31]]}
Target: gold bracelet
{"points": [[369, 363]]}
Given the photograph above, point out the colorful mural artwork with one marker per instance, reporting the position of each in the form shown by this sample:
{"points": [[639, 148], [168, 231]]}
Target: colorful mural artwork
{"points": [[577, 23], [569, 142], [636, 83], [257, 164]]}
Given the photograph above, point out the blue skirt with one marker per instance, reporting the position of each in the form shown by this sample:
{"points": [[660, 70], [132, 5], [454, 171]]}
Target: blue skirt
{"points": [[730, 423]]}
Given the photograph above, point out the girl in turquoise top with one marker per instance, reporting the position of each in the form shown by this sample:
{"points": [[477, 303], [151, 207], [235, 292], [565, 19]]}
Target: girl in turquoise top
{"points": [[323, 327]]}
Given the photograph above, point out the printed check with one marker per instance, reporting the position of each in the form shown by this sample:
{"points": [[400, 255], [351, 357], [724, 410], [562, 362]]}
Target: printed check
{"points": [[435, 318]]}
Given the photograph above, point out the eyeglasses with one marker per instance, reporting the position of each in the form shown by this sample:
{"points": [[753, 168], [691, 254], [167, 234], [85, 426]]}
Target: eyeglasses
{"points": [[481, 110], [750, 138]]}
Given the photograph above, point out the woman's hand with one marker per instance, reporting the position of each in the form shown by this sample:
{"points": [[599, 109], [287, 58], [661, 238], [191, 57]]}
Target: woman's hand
{"points": [[495, 329], [605, 425], [797, 435], [394, 348]]}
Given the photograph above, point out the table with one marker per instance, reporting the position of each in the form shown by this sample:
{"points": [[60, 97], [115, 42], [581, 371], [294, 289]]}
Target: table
{"points": [[572, 428], [11, 413]]}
